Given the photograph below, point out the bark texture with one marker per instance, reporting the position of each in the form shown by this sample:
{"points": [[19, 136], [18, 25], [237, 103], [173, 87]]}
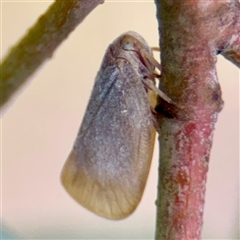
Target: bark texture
{"points": [[192, 34]]}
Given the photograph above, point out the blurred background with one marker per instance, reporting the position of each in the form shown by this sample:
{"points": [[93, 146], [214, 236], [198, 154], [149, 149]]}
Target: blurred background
{"points": [[40, 126]]}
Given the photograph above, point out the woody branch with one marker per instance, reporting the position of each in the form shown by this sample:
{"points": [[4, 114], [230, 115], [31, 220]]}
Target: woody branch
{"points": [[192, 34], [39, 43]]}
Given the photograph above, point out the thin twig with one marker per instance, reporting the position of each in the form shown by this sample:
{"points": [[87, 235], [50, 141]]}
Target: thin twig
{"points": [[40, 42]]}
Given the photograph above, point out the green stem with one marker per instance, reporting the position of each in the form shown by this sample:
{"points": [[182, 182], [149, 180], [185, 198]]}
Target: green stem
{"points": [[39, 43]]}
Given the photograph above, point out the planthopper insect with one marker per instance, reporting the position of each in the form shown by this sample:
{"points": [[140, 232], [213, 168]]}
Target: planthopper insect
{"points": [[107, 169]]}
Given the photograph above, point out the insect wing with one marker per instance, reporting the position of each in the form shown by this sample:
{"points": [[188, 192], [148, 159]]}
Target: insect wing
{"points": [[107, 169]]}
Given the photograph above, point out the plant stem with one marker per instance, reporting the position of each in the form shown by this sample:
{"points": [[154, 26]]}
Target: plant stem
{"points": [[192, 33], [40, 42]]}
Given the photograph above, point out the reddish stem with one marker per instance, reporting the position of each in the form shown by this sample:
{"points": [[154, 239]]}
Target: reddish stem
{"points": [[192, 33]]}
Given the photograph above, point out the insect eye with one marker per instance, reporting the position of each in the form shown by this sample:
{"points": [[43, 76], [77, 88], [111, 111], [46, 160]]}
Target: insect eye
{"points": [[127, 43]]}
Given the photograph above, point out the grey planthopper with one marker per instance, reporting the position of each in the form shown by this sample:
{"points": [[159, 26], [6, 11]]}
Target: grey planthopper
{"points": [[107, 169]]}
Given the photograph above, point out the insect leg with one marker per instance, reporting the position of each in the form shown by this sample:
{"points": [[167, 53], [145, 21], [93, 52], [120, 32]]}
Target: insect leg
{"points": [[149, 83]]}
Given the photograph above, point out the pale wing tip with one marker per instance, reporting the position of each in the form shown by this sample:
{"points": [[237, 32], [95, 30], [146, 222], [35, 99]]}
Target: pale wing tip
{"points": [[111, 201]]}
